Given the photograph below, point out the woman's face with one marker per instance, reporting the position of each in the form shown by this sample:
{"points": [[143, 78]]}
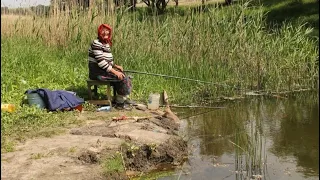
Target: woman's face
{"points": [[105, 33]]}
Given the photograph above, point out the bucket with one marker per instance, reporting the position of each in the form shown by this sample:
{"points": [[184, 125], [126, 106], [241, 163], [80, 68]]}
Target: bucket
{"points": [[35, 99], [153, 101]]}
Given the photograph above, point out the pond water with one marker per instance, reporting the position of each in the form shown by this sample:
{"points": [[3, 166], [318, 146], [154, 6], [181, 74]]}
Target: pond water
{"points": [[255, 138]]}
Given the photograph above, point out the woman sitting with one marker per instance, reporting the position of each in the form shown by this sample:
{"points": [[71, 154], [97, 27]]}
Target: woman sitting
{"points": [[102, 67]]}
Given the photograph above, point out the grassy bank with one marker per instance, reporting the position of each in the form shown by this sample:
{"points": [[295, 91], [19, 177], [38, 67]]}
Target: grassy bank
{"points": [[228, 46], [295, 11]]}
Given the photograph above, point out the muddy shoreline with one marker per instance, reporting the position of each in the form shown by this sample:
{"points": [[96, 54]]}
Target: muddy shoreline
{"points": [[110, 145]]}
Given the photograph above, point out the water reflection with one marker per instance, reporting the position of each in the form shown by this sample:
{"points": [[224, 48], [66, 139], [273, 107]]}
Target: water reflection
{"points": [[262, 137], [299, 134]]}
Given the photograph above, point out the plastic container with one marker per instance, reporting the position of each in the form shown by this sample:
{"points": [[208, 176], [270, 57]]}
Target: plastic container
{"points": [[8, 107], [35, 99], [104, 108], [153, 101]]}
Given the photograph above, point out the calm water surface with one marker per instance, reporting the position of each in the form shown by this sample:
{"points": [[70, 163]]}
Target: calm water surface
{"points": [[266, 138]]}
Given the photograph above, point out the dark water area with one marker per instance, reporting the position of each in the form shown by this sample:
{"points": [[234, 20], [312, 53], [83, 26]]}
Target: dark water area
{"points": [[255, 138]]}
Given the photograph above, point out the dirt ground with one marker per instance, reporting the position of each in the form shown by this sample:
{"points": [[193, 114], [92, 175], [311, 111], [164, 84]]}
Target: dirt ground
{"points": [[77, 154]]}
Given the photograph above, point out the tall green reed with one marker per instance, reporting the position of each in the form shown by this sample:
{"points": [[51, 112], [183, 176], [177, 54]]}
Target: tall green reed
{"points": [[228, 45]]}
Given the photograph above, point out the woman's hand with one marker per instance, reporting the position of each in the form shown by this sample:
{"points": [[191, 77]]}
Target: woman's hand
{"points": [[119, 75], [119, 67]]}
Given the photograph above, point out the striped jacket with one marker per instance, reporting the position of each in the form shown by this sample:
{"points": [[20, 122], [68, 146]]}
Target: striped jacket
{"points": [[100, 59]]}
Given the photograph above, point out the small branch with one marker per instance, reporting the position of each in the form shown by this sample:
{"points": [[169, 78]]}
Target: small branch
{"points": [[207, 107], [236, 145], [292, 91], [124, 164]]}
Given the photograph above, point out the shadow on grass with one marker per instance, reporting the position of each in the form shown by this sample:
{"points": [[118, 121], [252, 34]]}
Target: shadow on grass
{"points": [[82, 92], [295, 11], [279, 11]]}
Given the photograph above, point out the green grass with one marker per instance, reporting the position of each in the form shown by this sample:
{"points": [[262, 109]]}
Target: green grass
{"points": [[230, 46], [27, 122], [112, 164], [7, 146], [294, 11], [37, 156]]}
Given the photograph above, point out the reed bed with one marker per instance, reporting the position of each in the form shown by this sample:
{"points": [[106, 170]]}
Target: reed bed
{"points": [[227, 46]]}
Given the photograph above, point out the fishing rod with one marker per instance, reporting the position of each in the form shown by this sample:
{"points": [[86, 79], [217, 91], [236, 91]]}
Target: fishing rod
{"points": [[194, 115], [177, 77]]}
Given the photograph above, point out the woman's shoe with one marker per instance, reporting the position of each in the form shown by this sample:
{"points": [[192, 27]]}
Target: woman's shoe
{"points": [[128, 101], [123, 106]]}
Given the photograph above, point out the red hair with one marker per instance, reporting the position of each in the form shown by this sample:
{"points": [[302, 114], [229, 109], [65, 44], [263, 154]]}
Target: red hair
{"points": [[100, 34]]}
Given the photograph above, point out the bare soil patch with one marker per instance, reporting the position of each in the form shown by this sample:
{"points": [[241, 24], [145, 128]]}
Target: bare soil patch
{"points": [[80, 153]]}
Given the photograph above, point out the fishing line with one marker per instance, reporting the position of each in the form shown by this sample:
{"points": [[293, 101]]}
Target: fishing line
{"points": [[183, 78], [189, 116]]}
